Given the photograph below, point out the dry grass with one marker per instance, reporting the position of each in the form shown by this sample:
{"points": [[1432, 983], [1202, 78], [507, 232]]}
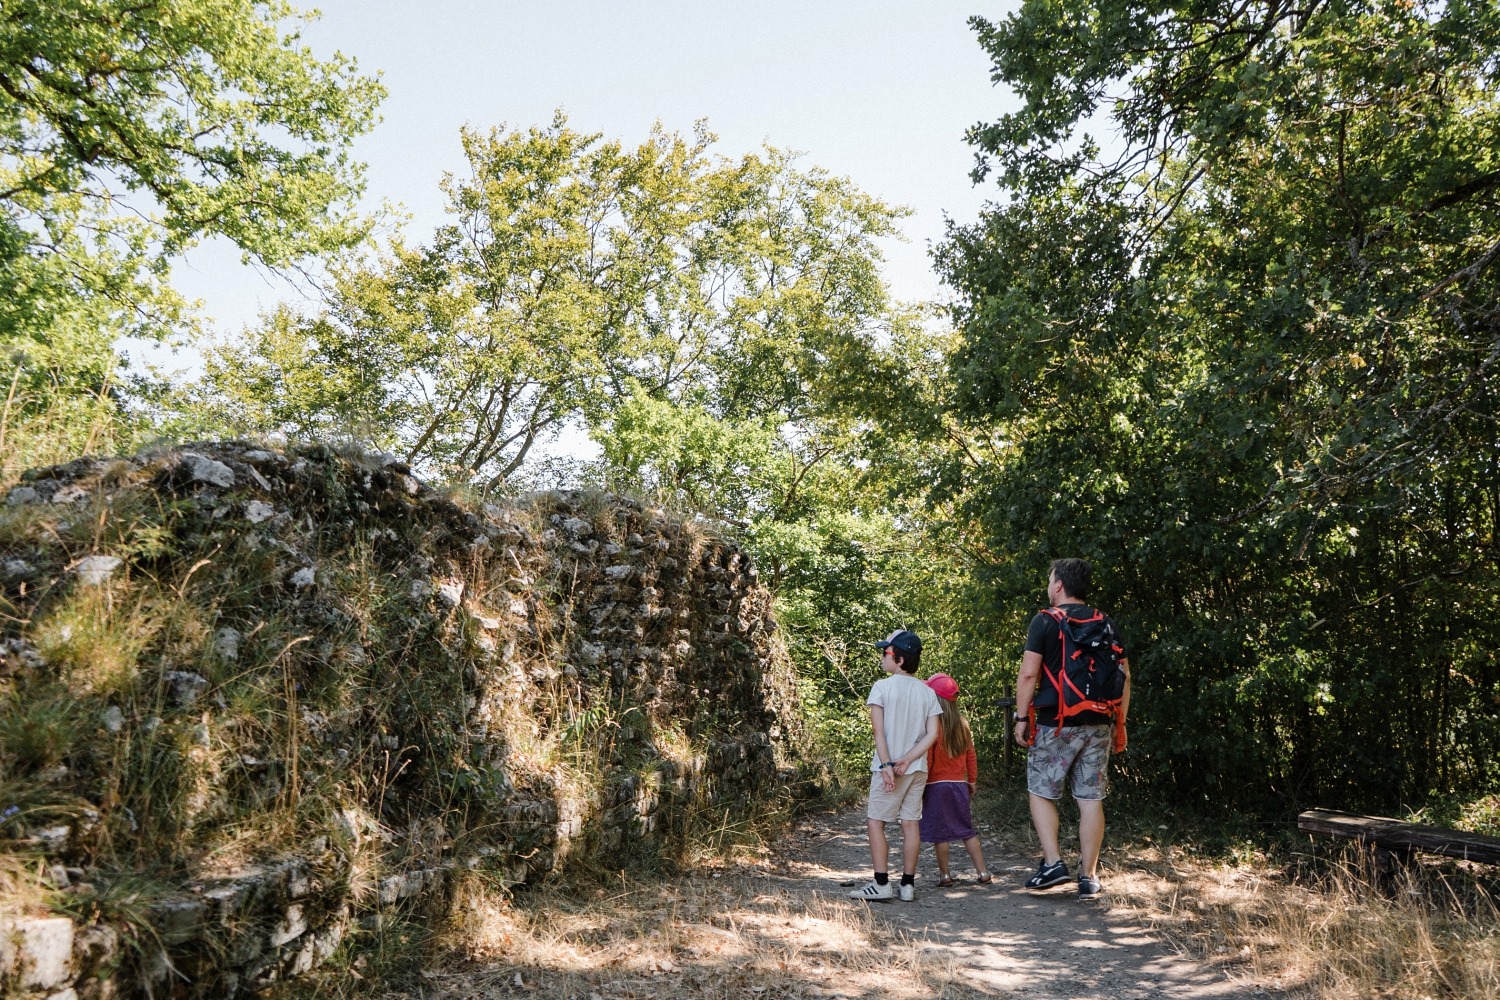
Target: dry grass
{"points": [[1339, 931], [706, 935]]}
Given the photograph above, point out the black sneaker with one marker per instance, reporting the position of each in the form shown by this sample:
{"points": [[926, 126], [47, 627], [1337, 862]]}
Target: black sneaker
{"points": [[1048, 875], [1089, 888]]}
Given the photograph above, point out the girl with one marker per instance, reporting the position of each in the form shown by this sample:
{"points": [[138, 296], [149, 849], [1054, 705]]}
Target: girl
{"points": [[951, 773]]}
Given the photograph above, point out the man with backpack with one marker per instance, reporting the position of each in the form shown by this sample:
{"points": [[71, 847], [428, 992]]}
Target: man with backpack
{"points": [[1072, 696]]}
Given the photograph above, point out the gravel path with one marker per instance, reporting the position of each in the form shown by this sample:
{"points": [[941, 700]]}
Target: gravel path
{"points": [[1047, 945]]}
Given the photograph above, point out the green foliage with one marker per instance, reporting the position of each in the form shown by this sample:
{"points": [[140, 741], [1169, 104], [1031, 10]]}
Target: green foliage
{"points": [[1244, 366], [129, 131], [580, 280]]}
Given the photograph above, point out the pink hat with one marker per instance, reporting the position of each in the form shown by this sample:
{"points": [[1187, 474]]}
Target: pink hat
{"points": [[943, 686]]}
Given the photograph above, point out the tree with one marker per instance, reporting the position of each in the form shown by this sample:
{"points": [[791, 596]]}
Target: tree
{"points": [[131, 130], [1245, 362], [581, 279]]}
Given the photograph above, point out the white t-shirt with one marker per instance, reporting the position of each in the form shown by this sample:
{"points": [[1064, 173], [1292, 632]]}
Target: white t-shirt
{"points": [[907, 703]]}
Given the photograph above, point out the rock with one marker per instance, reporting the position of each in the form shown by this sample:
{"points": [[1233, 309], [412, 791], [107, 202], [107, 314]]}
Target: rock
{"points": [[577, 528], [22, 495], [257, 511], [96, 570], [71, 494], [451, 593], [227, 644], [178, 920], [184, 687], [19, 654], [302, 578], [39, 950], [113, 719], [260, 480], [53, 838], [205, 470], [291, 926]]}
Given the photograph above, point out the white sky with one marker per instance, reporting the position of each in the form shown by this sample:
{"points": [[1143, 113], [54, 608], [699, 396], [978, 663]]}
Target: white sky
{"points": [[878, 91]]}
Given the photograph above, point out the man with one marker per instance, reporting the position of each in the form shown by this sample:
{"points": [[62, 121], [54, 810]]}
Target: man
{"points": [[1080, 746], [904, 716]]}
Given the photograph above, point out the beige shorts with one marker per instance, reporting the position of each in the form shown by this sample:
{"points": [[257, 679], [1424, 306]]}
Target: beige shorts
{"points": [[905, 803]]}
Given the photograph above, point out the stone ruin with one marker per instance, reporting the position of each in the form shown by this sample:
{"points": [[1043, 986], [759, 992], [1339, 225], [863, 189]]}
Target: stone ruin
{"points": [[259, 702]]}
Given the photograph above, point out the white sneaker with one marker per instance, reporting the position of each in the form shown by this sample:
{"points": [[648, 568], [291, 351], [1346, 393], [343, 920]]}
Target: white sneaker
{"points": [[874, 892], [908, 892]]}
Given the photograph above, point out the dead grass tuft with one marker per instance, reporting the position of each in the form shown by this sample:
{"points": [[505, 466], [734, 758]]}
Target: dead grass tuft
{"points": [[1344, 933]]}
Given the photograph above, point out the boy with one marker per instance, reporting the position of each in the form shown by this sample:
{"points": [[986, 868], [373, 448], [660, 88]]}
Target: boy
{"points": [[904, 716]]}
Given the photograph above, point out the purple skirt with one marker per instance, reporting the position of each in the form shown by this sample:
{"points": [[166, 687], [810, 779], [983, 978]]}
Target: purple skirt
{"points": [[945, 812]]}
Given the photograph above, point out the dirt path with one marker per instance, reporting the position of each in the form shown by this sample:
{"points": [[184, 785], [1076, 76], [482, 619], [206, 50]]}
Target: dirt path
{"points": [[1045, 945], [781, 927]]}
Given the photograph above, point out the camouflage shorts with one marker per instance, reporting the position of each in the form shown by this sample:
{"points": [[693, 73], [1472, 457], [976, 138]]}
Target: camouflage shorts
{"points": [[1082, 749]]}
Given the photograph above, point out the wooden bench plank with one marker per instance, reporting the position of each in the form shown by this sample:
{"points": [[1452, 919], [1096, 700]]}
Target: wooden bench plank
{"points": [[1392, 833]]}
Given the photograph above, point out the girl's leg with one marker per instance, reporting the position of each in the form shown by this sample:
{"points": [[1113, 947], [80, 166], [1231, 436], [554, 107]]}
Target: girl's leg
{"points": [[976, 854], [941, 850]]}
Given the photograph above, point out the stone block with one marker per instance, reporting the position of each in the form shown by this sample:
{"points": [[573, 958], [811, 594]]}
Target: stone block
{"points": [[292, 925], [179, 920], [36, 953], [184, 687], [201, 469], [94, 571]]}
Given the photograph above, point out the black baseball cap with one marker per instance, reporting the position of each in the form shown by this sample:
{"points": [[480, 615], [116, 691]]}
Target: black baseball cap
{"points": [[904, 640]]}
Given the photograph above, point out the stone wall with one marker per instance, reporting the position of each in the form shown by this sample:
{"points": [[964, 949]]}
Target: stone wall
{"points": [[299, 693]]}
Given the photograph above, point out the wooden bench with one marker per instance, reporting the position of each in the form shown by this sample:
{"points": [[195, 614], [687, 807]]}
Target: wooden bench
{"points": [[1400, 838]]}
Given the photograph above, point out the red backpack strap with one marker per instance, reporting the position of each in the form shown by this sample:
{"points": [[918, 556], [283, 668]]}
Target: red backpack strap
{"points": [[1058, 679]]}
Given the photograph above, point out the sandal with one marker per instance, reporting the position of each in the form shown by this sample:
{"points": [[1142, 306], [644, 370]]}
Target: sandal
{"points": [[944, 880], [985, 878]]}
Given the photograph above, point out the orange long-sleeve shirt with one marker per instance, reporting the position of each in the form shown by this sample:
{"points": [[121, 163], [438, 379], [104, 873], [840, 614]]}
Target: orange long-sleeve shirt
{"points": [[943, 767]]}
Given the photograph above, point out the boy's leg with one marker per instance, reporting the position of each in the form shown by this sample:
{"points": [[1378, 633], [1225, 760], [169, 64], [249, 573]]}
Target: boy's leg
{"points": [[880, 850], [911, 845]]}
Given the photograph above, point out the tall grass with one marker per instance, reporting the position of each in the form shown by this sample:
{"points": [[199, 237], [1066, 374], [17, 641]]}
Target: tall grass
{"points": [[40, 432]]}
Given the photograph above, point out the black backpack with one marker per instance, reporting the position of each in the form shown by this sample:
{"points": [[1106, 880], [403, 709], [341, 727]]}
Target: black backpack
{"points": [[1092, 678]]}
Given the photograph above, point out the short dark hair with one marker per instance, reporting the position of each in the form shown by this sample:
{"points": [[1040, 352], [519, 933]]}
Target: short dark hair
{"points": [[910, 661], [1075, 575]]}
